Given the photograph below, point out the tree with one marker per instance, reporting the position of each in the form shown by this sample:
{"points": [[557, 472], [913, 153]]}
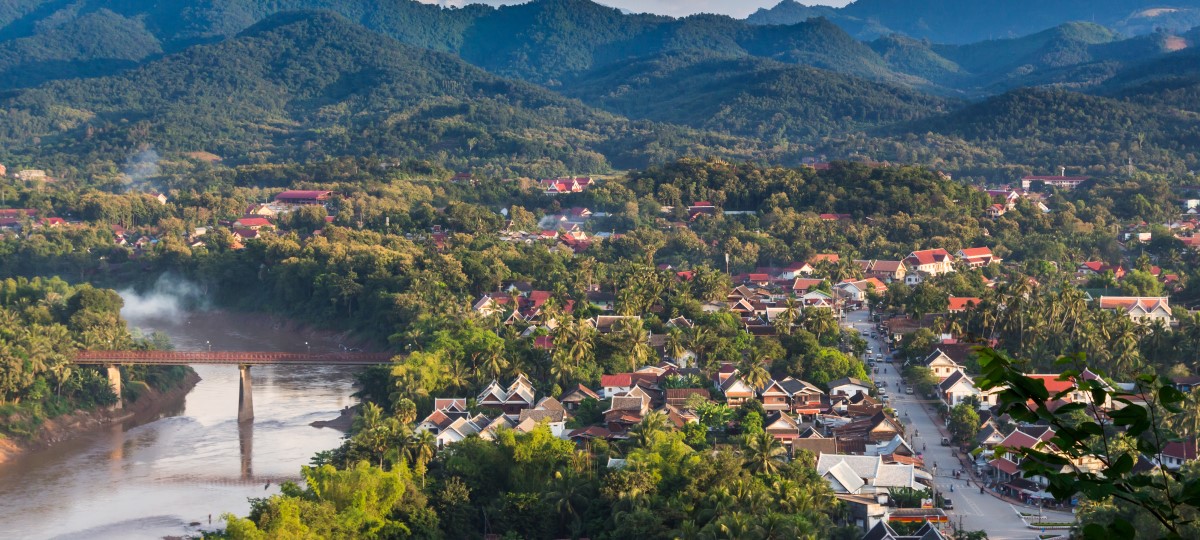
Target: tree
{"points": [[764, 453], [1168, 500], [964, 422]]}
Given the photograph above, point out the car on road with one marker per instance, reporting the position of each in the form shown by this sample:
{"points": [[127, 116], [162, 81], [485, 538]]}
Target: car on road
{"points": [[947, 504], [908, 390], [945, 441], [883, 392], [880, 384]]}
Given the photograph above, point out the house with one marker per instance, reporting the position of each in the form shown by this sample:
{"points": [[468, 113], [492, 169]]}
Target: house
{"points": [[606, 324], [304, 197], [1057, 384], [886, 271], [774, 397], [617, 384], [795, 270], [976, 257], [253, 223], [877, 428], [736, 392], [783, 427], [1095, 268], [1186, 384], [959, 304], [848, 386], [1176, 453], [804, 397], [555, 419], [941, 364], [929, 262], [573, 397], [1060, 182], [996, 210], [1143, 309], [865, 474], [958, 387], [624, 412], [519, 395], [678, 397], [857, 291]]}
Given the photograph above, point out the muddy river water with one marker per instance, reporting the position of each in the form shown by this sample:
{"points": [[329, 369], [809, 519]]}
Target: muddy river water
{"points": [[158, 476]]}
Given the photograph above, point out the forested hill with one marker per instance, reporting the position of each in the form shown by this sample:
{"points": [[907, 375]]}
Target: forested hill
{"points": [[540, 41], [1044, 128], [550, 41], [300, 85], [750, 97], [958, 21]]}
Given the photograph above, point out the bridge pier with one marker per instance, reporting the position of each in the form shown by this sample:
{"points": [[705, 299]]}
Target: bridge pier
{"points": [[245, 395], [114, 381]]}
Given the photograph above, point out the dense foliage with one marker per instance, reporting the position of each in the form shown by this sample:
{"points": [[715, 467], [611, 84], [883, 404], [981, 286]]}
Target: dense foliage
{"points": [[43, 322]]}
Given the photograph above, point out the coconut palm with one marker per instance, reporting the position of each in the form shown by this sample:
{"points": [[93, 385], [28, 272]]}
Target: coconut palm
{"points": [[421, 448], [653, 422], [763, 453], [568, 497], [676, 346]]}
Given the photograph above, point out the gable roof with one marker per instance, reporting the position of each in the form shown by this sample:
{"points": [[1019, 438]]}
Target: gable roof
{"points": [[976, 252], [579, 393], [929, 256], [962, 303], [618, 380], [954, 379]]}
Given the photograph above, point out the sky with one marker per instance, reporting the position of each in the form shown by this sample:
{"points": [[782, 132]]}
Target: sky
{"points": [[676, 8]]}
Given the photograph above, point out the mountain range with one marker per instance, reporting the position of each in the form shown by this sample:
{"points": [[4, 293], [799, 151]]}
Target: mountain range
{"points": [[569, 85], [959, 22]]}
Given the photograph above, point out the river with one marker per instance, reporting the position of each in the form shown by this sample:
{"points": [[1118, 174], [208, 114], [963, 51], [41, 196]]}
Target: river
{"points": [[154, 477]]}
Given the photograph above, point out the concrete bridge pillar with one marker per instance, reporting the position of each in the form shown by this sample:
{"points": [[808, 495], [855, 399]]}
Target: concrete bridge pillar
{"points": [[245, 395], [114, 381]]}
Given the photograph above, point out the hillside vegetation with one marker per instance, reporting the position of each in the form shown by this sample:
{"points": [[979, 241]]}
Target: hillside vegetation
{"points": [[302, 85]]}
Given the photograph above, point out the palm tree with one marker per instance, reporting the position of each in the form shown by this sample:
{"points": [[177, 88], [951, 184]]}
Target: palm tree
{"points": [[582, 343], [634, 340], [675, 344], [653, 422], [754, 371], [492, 362], [763, 453], [567, 497], [421, 448]]}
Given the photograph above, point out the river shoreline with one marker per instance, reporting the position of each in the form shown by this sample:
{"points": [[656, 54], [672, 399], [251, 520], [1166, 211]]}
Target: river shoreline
{"points": [[62, 428]]}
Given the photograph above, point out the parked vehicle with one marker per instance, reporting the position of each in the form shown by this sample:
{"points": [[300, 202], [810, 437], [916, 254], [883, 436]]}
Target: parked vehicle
{"points": [[945, 441], [947, 504], [908, 390]]}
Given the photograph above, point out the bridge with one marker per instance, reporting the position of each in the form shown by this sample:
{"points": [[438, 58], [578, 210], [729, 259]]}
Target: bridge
{"points": [[113, 360]]}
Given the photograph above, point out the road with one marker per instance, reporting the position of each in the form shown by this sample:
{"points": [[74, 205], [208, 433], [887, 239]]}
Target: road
{"points": [[975, 510]]}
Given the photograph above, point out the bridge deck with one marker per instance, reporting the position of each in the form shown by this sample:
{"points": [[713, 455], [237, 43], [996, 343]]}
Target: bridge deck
{"points": [[230, 357]]}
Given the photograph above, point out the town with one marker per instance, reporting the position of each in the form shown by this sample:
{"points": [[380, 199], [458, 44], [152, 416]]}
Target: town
{"points": [[864, 367]]}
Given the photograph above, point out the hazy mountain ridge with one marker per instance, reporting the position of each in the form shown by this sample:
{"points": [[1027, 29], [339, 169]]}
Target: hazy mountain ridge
{"points": [[957, 22]]}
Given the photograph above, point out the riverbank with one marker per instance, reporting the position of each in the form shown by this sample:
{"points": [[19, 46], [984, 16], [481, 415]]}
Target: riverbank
{"points": [[342, 423], [61, 428]]}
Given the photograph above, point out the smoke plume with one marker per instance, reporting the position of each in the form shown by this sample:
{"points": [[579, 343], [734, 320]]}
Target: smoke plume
{"points": [[168, 300], [141, 168]]}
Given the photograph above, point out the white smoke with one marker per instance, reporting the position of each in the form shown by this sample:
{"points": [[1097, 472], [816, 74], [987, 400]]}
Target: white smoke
{"points": [[142, 167], [168, 300]]}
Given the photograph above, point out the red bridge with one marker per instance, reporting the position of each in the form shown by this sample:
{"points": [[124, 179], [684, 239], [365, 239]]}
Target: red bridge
{"points": [[113, 360], [172, 358]]}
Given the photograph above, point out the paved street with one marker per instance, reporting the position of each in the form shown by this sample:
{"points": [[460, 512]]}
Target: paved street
{"points": [[976, 511]]}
